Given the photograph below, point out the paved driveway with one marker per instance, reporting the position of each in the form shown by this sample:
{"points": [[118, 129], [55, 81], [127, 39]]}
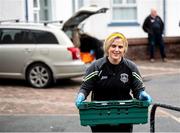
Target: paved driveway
{"points": [[18, 98]]}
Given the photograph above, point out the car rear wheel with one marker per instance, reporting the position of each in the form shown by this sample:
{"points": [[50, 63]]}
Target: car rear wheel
{"points": [[39, 76]]}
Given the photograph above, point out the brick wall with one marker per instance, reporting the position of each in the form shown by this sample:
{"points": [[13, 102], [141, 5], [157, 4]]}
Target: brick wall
{"points": [[138, 48]]}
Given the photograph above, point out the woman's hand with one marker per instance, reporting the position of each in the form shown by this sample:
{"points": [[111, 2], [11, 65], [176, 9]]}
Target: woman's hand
{"points": [[145, 97], [79, 99]]}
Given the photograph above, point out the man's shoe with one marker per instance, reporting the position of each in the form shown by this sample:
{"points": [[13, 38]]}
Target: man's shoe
{"points": [[152, 60], [164, 60]]}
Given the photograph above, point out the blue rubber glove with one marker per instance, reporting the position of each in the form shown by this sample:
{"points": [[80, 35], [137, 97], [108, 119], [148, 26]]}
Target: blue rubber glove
{"points": [[145, 97], [79, 99], [92, 52]]}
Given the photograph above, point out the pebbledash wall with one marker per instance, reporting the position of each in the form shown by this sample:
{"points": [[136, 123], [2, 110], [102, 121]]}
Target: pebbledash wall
{"points": [[138, 48]]}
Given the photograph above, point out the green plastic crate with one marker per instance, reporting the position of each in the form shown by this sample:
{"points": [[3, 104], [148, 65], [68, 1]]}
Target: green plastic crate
{"points": [[113, 112]]}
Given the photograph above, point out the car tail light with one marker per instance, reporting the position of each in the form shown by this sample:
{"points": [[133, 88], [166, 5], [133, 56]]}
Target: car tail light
{"points": [[75, 53]]}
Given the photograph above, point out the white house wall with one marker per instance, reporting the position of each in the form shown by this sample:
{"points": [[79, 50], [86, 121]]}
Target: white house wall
{"points": [[173, 18], [97, 25], [30, 10], [12, 9], [62, 9]]}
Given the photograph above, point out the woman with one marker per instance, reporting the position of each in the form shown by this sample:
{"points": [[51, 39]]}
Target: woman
{"points": [[113, 77]]}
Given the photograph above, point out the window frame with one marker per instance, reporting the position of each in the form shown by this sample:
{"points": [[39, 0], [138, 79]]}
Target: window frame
{"points": [[124, 5]]}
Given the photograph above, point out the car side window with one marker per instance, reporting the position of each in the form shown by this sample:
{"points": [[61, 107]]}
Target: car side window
{"points": [[16, 36], [6, 37], [43, 37], [28, 37]]}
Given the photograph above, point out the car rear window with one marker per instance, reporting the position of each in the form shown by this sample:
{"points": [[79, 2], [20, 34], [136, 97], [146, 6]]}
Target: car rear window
{"points": [[43, 37]]}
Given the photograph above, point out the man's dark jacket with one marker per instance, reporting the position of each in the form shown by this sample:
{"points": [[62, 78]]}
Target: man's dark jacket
{"points": [[149, 28]]}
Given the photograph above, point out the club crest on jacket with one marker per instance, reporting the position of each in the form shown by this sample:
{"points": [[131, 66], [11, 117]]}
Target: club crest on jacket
{"points": [[124, 77]]}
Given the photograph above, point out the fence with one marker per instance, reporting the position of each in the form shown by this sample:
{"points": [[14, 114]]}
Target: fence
{"points": [[153, 111]]}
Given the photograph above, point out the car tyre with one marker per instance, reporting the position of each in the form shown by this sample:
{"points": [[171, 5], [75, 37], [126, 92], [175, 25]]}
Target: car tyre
{"points": [[39, 75]]}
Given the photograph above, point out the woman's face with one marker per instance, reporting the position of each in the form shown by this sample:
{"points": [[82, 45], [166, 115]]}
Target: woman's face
{"points": [[116, 51]]}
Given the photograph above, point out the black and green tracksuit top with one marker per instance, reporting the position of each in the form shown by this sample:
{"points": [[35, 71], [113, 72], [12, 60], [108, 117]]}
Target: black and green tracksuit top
{"points": [[112, 82]]}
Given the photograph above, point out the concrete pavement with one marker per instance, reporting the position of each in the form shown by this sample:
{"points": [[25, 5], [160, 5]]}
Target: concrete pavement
{"points": [[149, 69], [23, 108]]}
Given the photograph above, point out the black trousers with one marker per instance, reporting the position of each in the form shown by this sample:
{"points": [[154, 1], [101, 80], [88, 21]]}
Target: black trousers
{"points": [[112, 128], [156, 40]]}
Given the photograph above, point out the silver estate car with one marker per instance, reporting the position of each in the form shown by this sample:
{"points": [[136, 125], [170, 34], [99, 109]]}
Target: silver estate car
{"points": [[38, 53]]}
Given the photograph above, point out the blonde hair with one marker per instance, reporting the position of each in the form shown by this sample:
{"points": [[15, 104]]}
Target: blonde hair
{"points": [[110, 39]]}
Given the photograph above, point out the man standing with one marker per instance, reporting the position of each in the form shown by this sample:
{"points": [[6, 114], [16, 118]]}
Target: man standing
{"points": [[154, 26]]}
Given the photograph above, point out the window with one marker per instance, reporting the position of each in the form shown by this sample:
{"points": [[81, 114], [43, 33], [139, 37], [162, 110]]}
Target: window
{"points": [[23, 36], [45, 3], [124, 10], [36, 3], [28, 37], [45, 10], [46, 16], [36, 16], [43, 37], [36, 9], [6, 36], [15, 36]]}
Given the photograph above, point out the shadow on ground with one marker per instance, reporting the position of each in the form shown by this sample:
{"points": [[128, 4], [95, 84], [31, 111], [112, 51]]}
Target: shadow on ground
{"points": [[58, 83]]}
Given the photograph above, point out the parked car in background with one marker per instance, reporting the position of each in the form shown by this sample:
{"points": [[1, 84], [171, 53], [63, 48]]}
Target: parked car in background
{"points": [[38, 53], [90, 47]]}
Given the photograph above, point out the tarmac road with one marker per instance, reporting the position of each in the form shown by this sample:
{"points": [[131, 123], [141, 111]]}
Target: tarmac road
{"points": [[24, 109]]}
